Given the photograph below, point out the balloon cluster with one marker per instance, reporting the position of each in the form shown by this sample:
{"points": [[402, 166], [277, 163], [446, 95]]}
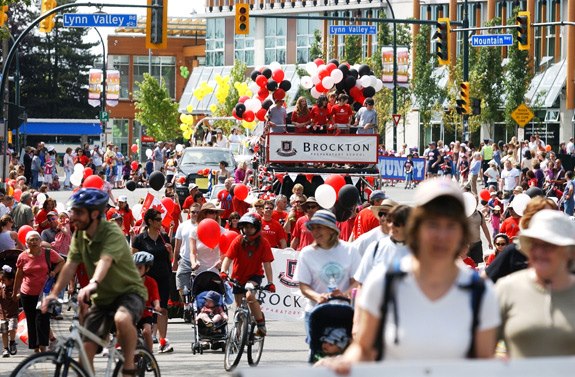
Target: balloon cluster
{"points": [[184, 71], [338, 196], [223, 88], [187, 125], [358, 81], [204, 172], [84, 177], [203, 90]]}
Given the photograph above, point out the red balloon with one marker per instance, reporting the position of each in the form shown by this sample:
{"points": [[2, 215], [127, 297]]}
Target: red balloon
{"points": [[261, 114], [330, 67], [336, 181], [485, 195], [88, 172], [320, 88], [209, 232], [249, 116], [322, 73], [222, 195], [241, 191], [263, 93], [22, 232], [278, 75], [226, 239], [279, 94], [93, 181], [262, 81], [134, 148], [235, 115], [243, 99], [318, 61], [134, 165], [17, 194]]}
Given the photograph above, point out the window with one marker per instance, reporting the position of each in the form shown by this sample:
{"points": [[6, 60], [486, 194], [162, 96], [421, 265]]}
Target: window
{"points": [[244, 46], [275, 40], [122, 64], [215, 33], [163, 68], [305, 38]]}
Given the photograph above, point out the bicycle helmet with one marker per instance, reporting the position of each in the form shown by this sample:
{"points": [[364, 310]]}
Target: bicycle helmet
{"points": [[251, 218], [89, 198], [143, 257]]}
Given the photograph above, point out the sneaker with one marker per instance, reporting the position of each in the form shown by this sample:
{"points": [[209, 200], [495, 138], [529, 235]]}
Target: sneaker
{"points": [[155, 340], [6, 353], [261, 331], [106, 352], [13, 348], [166, 348]]}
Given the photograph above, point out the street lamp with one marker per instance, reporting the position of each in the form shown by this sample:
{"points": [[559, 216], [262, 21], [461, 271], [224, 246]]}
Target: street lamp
{"points": [[394, 73], [103, 94]]}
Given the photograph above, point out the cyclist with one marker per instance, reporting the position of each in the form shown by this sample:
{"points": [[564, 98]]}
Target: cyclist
{"points": [[251, 255], [115, 286]]}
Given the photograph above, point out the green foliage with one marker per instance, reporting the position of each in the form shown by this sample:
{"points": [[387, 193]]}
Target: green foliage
{"points": [[155, 110], [237, 74], [301, 92], [352, 49], [315, 50]]}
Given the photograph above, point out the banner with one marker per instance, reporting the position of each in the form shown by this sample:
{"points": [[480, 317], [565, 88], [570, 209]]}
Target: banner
{"points": [[94, 87], [112, 87], [345, 149], [392, 168], [402, 65], [286, 303]]}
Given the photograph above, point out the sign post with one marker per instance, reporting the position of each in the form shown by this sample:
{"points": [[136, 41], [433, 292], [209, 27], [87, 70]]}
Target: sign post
{"points": [[522, 115]]}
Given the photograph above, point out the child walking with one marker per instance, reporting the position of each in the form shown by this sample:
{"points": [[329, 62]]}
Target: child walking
{"points": [[408, 170], [144, 262], [8, 311]]}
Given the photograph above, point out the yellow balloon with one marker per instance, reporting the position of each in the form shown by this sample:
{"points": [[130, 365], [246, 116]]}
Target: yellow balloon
{"points": [[183, 118], [189, 108], [249, 125], [183, 127], [213, 107]]}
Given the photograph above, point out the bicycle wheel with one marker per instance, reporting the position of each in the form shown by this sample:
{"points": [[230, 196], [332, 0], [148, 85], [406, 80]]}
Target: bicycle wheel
{"points": [[144, 362], [235, 342], [255, 346], [46, 364]]}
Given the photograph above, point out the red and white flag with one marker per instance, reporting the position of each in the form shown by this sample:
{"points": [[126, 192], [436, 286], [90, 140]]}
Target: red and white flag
{"points": [[152, 202]]}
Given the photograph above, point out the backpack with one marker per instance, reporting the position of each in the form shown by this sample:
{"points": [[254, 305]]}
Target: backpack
{"points": [[476, 288]]}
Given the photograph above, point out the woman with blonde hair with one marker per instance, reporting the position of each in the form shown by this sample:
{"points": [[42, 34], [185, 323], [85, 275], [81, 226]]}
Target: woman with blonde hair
{"points": [[301, 116]]}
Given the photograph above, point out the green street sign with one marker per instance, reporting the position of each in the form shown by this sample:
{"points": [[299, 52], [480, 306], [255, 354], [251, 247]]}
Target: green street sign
{"points": [[104, 116]]}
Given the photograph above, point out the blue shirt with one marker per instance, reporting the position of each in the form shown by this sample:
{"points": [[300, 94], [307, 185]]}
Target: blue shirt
{"points": [[475, 167]]}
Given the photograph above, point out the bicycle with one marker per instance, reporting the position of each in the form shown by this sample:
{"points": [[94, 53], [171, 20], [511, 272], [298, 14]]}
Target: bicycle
{"points": [[61, 362], [239, 337]]}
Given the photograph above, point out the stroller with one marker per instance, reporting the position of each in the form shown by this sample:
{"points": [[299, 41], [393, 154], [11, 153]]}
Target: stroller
{"points": [[9, 257], [335, 314], [204, 336]]}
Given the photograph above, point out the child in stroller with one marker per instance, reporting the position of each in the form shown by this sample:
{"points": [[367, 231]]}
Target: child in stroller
{"points": [[334, 341], [212, 313], [330, 329]]}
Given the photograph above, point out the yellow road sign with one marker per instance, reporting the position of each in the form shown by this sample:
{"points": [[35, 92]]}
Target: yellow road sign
{"points": [[522, 115]]}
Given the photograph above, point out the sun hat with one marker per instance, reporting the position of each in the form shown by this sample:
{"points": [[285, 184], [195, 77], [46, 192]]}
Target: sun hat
{"points": [[31, 234], [210, 207], [432, 189], [377, 194], [388, 203], [518, 189], [310, 200], [325, 218], [551, 226], [214, 296], [336, 336], [192, 186], [123, 198]]}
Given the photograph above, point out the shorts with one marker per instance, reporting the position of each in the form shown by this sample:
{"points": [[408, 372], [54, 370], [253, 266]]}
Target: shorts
{"points": [[150, 320], [184, 274], [10, 324], [100, 319], [255, 278]]}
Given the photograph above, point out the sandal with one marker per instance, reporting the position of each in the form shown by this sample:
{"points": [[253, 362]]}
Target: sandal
{"points": [[130, 372]]}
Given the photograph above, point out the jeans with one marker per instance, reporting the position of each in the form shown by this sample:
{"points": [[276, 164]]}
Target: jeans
{"points": [[35, 183], [67, 179]]}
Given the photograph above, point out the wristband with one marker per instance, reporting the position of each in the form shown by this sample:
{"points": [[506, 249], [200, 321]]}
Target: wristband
{"points": [[94, 281]]}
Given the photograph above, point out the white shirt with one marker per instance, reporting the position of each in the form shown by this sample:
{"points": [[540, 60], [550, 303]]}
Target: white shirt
{"points": [[509, 181], [206, 257], [387, 253], [183, 233], [362, 242]]}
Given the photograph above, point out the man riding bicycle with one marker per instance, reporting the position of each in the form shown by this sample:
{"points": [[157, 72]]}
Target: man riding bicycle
{"points": [[115, 287], [251, 255]]}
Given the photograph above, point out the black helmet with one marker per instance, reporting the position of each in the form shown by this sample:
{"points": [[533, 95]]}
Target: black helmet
{"points": [[143, 257], [251, 218], [89, 198]]}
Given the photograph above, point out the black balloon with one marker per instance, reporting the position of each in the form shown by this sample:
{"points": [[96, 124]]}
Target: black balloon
{"points": [[340, 86], [267, 73], [348, 196], [156, 180], [254, 75], [334, 61], [353, 72], [356, 106], [344, 68], [349, 82], [341, 213], [363, 70], [240, 109], [285, 85], [131, 185], [267, 104], [371, 73], [368, 92], [272, 85]]}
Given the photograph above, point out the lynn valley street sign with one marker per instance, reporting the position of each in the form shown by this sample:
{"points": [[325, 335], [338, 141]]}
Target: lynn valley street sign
{"points": [[100, 19]]}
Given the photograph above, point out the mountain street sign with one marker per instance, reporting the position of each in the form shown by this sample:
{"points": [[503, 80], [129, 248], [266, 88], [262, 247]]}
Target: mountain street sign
{"points": [[100, 19], [492, 40], [352, 29]]}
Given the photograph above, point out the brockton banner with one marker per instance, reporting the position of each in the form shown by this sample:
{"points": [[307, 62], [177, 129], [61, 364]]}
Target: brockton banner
{"points": [[359, 149]]}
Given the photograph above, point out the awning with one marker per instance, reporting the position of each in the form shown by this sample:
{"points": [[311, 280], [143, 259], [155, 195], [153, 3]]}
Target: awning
{"points": [[208, 74], [62, 127], [546, 86]]}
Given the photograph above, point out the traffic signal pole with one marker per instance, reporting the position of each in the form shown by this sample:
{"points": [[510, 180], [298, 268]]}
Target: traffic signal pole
{"points": [[465, 117]]}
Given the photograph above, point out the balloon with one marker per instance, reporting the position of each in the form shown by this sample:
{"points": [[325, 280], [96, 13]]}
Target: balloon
{"points": [[278, 75], [240, 109], [241, 191], [470, 203], [336, 181], [149, 153], [348, 196], [485, 194], [249, 116], [88, 172], [519, 203], [349, 82], [262, 81], [368, 92], [306, 82], [321, 73], [285, 85], [279, 94], [17, 194], [327, 82], [134, 148], [325, 196], [353, 73], [226, 239], [243, 99], [209, 232], [60, 207], [137, 211], [320, 88], [334, 61], [336, 75], [314, 93], [156, 180], [254, 75], [169, 204], [76, 179], [342, 213], [22, 232], [79, 167], [319, 61], [311, 68], [330, 67], [93, 181], [363, 70], [267, 104], [263, 93], [41, 198], [378, 85], [261, 114], [131, 185], [134, 165], [548, 148], [344, 68], [267, 73], [275, 65], [272, 85]]}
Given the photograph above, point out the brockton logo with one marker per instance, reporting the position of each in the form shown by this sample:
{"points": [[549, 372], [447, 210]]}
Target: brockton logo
{"points": [[287, 149], [286, 278]]}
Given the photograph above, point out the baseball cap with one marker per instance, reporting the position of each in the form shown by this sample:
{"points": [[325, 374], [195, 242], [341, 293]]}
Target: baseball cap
{"points": [[192, 186], [377, 195], [432, 189], [122, 198]]}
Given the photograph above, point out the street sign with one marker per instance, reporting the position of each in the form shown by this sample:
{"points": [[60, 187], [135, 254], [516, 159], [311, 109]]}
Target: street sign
{"points": [[396, 119], [522, 115], [352, 29], [492, 40], [100, 19], [104, 116]]}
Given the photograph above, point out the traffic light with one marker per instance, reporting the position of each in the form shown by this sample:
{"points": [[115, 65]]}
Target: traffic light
{"points": [[3, 15], [441, 37], [464, 102], [157, 24], [47, 24], [242, 19], [475, 106], [523, 31]]}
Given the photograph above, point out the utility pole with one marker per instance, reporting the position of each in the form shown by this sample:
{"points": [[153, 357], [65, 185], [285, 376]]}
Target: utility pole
{"points": [[465, 137]]}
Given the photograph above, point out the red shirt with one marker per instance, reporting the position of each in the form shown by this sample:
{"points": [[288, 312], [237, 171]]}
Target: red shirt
{"points": [[273, 232], [341, 113], [300, 231], [153, 295], [35, 271], [300, 118], [188, 202], [510, 227], [83, 159], [240, 206], [345, 228], [364, 222], [319, 116], [280, 216], [245, 266], [42, 216]]}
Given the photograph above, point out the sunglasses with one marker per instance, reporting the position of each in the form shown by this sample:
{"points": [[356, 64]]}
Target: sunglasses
{"points": [[396, 224], [195, 212], [382, 213], [258, 206], [158, 219], [312, 206], [501, 243], [269, 209]]}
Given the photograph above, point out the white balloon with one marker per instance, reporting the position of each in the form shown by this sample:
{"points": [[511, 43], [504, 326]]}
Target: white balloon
{"points": [[358, 84], [76, 179], [325, 196], [365, 81], [519, 203], [315, 79], [254, 87], [470, 203], [275, 65], [255, 104], [41, 198], [249, 103], [336, 75], [311, 68], [378, 85], [320, 67], [78, 167], [306, 82], [179, 148], [314, 93], [137, 211], [149, 153], [60, 207], [327, 82]]}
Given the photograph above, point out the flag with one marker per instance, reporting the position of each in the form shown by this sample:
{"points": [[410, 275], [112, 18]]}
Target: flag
{"points": [[152, 202], [22, 329], [210, 179]]}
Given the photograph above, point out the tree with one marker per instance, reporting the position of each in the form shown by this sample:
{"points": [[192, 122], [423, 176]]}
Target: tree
{"points": [[315, 50], [155, 110], [352, 49]]}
